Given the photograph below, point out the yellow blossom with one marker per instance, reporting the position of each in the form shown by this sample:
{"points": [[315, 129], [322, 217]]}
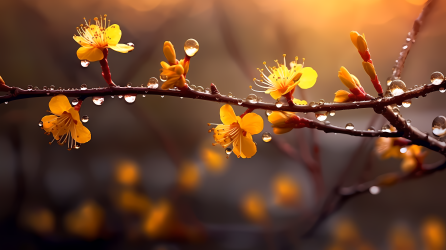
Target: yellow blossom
{"points": [[238, 131], [214, 161], [157, 220], [132, 202], [65, 123], [386, 148], [94, 38], [286, 191], [433, 232], [282, 80], [86, 221], [254, 208], [282, 121], [359, 41], [189, 176], [127, 173], [174, 71]]}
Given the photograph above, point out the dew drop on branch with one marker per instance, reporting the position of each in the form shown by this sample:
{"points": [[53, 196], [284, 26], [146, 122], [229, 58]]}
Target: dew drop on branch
{"points": [[349, 126], [332, 113], [279, 104], [228, 151], [371, 129], [439, 126], [313, 104], [239, 101], [374, 190], [386, 128], [200, 89], [396, 111], [207, 90], [85, 118], [98, 100], [193, 87], [153, 83], [119, 96], [397, 87], [442, 90], [408, 122], [321, 102], [84, 86], [191, 47], [437, 78], [252, 98], [74, 102], [268, 112], [52, 87], [266, 137], [130, 98], [129, 85], [407, 103], [30, 87], [85, 63], [321, 116], [230, 95]]}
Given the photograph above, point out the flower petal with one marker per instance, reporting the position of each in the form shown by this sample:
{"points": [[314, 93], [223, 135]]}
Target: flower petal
{"points": [[276, 94], [308, 78], [113, 35], [244, 146], [48, 122], [123, 48], [81, 133], [82, 41], [59, 104], [227, 115], [169, 52], [279, 131], [299, 102], [252, 123], [89, 53], [341, 96]]}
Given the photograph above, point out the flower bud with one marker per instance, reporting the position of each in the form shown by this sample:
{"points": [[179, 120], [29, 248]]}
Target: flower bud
{"points": [[342, 96], [359, 41], [2, 82], [347, 79], [169, 53], [283, 122], [369, 69]]}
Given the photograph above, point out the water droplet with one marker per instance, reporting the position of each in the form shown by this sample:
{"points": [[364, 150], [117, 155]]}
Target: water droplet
{"points": [[77, 146], [252, 98], [349, 126], [439, 126], [397, 87], [45, 88], [119, 96], [379, 99], [327, 123], [239, 101], [386, 128], [408, 39], [85, 63], [153, 83], [371, 129], [130, 98], [193, 87], [131, 44], [405, 47], [84, 86], [403, 150], [321, 102], [437, 78], [442, 90], [163, 78], [98, 100], [85, 118], [268, 112], [313, 104], [230, 95], [36, 88], [266, 137], [200, 89], [52, 87], [375, 190], [40, 124], [74, 102], [30, 87], [332, 113], [6, 102], [162, 96], [389, 80], [408, 122], [191, 47], [396, 111], [207, 90], [129, 85], [407, 103], [321, 116], [228, 151], [279, 104]]}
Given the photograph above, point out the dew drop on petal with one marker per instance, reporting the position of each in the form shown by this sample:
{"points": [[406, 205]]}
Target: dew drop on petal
{"points": [[374, 190], [191, 47], [332, 113], [349, 126], [163, 78], [130, 98], [40, 124], [228, 151], [437, 78], [131, 44], [397, 87], [85, 63], [321, 116], [279, 104], [252, 98], [439, 126], [407, 103], [268, 112], [85, 118], [84, 86], [98, 100], [153, 83], [74, 102], [266, 137]]}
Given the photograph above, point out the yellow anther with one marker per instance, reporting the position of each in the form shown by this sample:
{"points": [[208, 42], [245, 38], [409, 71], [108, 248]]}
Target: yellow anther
{"points": [[250, 86], [95, 18], [296, 58], [284, 55], [264, 63]]}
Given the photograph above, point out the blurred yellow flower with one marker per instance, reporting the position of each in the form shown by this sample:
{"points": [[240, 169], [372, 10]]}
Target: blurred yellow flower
{"points": [[86, 221], [174, 72], [213, 161], [94, 38], [157, 220], [189, 176], [282, 80], [41, 220], [433, 233], [286, 191], [65, 123], [238, 131], [254, 208], [402, 239], [127, 173], [132, 202]]}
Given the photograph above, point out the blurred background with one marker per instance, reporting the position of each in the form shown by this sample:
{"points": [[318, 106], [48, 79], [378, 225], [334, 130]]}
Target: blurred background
{"points": [[150, 177]]}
